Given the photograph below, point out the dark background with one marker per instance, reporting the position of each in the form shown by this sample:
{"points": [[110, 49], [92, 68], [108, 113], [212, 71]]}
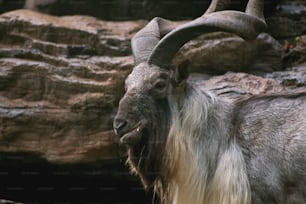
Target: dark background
{"points": [[125, 9]]}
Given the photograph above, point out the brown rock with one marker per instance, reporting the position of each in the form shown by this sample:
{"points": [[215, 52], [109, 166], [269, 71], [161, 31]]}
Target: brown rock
{"points": [[217, 53], [237, 86], [295, 64], [296, 53], [61, 79]]}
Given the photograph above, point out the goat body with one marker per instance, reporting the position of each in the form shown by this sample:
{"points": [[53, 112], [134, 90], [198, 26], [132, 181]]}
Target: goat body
{"points": [[271, 132], [251, 152], [194, 147]]}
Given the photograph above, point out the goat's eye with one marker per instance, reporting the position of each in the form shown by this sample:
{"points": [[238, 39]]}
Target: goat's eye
{"points": [[160, 85]]}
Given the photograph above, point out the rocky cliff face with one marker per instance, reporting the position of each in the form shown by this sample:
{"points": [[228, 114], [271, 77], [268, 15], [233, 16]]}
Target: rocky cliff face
{"points": [[66, 71], [60, 82]]}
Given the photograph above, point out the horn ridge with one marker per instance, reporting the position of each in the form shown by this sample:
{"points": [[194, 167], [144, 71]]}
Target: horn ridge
{"points": [[217, 5], [148, 37], [255, 8]]}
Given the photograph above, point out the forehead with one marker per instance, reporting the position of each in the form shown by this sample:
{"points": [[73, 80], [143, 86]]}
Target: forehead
{"points": [[144, 73]]}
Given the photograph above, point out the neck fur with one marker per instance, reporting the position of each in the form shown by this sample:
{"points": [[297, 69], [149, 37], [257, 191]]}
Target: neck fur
{"points": [[201, 164]]}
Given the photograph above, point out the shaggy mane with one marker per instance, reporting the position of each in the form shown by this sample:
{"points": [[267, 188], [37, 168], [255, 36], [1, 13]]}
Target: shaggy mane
{"points": [[201, 164]]}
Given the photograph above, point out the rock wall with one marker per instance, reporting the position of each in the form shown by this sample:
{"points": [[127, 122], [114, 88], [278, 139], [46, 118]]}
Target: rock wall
{"points": [[60, 81], [61, 78]]}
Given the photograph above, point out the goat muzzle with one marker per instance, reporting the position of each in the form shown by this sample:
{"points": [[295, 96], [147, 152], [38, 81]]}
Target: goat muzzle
{"points": [[129, 136]]}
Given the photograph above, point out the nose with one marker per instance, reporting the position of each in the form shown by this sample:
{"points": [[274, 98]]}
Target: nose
{"points": [[119, 125]]}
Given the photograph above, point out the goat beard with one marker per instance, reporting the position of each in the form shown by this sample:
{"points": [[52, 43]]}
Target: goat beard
{"points": [[144, 158]]}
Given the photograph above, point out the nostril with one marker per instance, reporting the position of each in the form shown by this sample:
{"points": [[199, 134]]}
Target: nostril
{"points": [[119, 125]]}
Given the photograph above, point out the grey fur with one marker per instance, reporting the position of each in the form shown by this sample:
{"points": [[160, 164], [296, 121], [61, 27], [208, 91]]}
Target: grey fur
{"points": [[271, 131]]}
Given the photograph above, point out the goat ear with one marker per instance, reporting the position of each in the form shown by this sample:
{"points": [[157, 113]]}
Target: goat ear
{"points": [[181, 72]]}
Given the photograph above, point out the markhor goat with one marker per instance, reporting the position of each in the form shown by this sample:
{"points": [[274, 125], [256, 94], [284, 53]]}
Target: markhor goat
{"points": [[194, 148]]}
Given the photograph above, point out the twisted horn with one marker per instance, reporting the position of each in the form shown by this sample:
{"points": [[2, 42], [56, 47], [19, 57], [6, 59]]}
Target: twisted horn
{"points": [[246, 25], [255, 8], [217, 5], [148, 37]]}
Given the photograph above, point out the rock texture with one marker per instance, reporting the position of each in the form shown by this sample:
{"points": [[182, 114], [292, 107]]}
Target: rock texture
{"points": [[289, 20], [218, 53], [295, 63], [61, 79], [60, 82]]}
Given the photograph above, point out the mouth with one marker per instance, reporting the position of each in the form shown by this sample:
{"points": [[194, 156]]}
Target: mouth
{"points": [[132, 137], [135, 140], [138, 152]]}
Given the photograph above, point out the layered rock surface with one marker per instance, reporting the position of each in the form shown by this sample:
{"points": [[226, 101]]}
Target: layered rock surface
{"points": [[60, 82]]}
